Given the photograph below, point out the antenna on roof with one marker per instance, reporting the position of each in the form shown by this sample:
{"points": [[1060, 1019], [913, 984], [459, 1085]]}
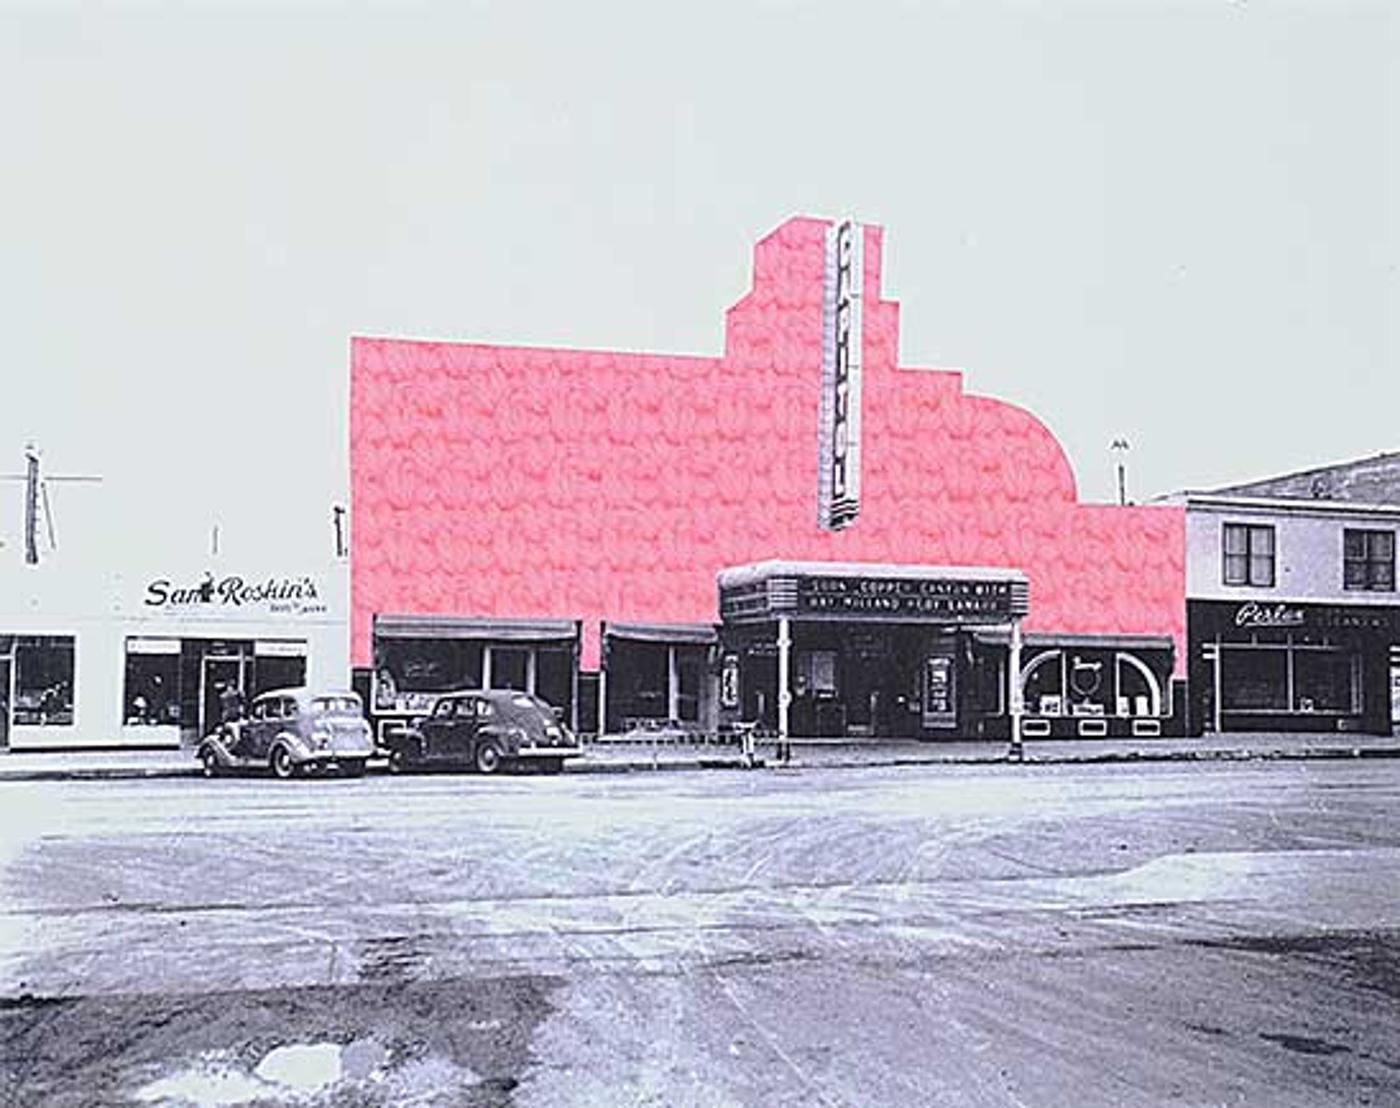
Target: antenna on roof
{"points": [[1120, 450]]}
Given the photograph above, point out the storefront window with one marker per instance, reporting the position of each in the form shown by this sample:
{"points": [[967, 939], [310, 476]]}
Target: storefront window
{"points": [[151, 695], [1324, 681], [1253, 680], [1043, 689], [554, 676], [410, 672], [637, 683], [44, 680]]}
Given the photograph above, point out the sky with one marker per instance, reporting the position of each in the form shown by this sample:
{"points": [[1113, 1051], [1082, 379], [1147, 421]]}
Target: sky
{"points": [[1170, 223]]}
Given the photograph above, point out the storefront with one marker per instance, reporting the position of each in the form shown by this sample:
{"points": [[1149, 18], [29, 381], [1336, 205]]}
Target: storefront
{"points": [[658, 674], [1292, 666], [1089, 686], [418, 657], [865, 651], [153, 661]]}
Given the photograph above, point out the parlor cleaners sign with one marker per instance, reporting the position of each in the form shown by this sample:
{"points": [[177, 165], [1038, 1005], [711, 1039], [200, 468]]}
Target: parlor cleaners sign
{"points": [[1253, 614], [281, 595]]}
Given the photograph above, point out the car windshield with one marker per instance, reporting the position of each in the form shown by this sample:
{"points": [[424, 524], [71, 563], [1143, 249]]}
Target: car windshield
{"points": [[336, 705]]}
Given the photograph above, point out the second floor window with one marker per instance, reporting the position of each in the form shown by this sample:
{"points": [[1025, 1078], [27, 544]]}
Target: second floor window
{"points": [[1249, 554], [1368, 560]]}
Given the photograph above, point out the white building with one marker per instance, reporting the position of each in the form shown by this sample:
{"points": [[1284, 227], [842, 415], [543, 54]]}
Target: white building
{"points": [[105, 641], [1292, 614]]}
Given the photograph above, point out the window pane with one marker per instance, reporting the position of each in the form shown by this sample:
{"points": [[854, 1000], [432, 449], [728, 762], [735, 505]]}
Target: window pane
{"points": [[1236, 569], [1383, 545], [1254, 680], [1322, 681], [1261, 570], [1354, 575], [152, 693], [44, 681], [1235, 539], [1354, 544], [1261, 540]]}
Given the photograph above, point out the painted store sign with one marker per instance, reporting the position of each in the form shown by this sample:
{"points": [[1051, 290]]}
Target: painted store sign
{"points": [[281, 595]]}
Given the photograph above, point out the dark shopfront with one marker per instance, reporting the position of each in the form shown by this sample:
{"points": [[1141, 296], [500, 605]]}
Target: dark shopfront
{"points": [[1285, 666], [418, 657], [658, 675], [865, 651]]}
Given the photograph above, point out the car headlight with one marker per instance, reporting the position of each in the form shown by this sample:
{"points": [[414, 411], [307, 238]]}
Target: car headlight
{"points": [[320, 737]]}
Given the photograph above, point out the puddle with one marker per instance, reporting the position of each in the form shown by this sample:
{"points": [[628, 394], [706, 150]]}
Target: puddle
{"points": [[303, 1068], [207, 1086]]}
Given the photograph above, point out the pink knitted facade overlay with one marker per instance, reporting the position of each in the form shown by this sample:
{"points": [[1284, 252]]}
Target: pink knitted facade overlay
{"points": [[514, 482]]}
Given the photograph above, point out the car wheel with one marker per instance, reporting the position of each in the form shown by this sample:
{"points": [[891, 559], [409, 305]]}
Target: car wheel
{"points": [[398, 761], [282, 764], [488, 758], [209, 762]]}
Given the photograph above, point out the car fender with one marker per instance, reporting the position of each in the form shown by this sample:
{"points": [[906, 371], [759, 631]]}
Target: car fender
{"points": [[215, 742], [506, 739], [293, 742], [407, 741]]}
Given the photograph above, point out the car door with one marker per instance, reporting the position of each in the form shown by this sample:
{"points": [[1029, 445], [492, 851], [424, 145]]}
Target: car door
{"points": [[437, 728], [456, 744], [265, 727]]}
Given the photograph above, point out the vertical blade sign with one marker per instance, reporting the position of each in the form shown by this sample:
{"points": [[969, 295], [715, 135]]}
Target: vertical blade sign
{"points": [[838, 479]]}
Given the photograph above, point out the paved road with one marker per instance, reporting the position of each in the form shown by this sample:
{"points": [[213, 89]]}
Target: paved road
{"points": [[1195, 935]]}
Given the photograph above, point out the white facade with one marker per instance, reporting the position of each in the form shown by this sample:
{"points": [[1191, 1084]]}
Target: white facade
{"points": [[108, 642], [1308, 547]]}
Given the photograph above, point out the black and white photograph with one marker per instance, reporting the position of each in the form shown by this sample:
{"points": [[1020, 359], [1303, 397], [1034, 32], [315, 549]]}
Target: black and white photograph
{"points": [[767, 553]]}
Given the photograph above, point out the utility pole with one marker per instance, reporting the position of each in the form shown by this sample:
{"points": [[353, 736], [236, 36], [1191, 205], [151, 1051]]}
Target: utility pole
{"points": [[36, 497], [31, 506]]}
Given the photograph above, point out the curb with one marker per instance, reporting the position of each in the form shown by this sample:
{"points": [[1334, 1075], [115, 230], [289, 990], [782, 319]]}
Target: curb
{"points": [[1131, 757]]}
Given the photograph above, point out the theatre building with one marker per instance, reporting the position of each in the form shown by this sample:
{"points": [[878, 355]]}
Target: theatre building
{"points": [[628, 535], [1293, 620]]}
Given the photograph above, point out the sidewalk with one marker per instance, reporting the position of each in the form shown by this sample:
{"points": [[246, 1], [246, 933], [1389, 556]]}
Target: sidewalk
{"points": [[618, 756]]}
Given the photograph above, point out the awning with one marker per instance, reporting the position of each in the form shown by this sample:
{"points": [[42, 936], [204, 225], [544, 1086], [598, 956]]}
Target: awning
{"points": [[485, 630], [696, 634], [1000, 636]]}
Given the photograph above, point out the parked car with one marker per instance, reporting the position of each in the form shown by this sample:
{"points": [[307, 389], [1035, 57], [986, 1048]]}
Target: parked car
{"points": [[484, 730], [292, 731]]}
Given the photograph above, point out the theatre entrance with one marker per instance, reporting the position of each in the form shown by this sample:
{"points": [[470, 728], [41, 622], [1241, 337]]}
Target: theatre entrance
{"points": [[853, 651]]}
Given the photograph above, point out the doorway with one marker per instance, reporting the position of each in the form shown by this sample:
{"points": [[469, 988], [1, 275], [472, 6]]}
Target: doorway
{"points": [[218, 670], [5, 671]]}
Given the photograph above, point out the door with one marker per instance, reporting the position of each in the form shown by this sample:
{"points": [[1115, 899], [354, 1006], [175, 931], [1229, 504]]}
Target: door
{"points": [[1394, 697], [219, 671], [510, 668], [5, 703]]}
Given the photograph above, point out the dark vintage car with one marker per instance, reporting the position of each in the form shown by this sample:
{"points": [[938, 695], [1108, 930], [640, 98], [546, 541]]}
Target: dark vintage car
{"points": [[292, 731], [483, 729]]}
